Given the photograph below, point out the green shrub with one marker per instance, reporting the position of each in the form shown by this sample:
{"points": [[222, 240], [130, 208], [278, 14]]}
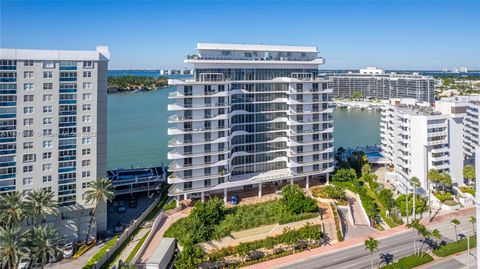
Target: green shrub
{"points": [[295, 201], [290, 237], [408, 262], [443, 196], [466, 189], [171, 205], [345, 175], [91, 263], [455, 247]]}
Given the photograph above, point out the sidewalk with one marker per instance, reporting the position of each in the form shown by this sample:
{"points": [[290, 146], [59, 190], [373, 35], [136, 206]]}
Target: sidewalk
{"points": [[353, 242], [458, 261], [152, 246]]}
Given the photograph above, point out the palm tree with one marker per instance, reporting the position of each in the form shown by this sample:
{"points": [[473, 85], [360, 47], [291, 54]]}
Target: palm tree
{"points": [[371, 244], [39, 203], [436, 233], [11, 209], [100, 190], [446, 180], [455, 223], [469, 173], [44, 244], [473, 221], [11, 246]]}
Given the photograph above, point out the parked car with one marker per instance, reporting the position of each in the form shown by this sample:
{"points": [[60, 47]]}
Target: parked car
{"points": [[118, 228], [68, 250], [133, 202], [121, 208], [198, 196], [234, 200]]}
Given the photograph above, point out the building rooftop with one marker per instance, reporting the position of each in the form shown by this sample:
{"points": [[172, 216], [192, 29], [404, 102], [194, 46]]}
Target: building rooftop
{"points": [[100, 54], [416, 110], [254, 47]]}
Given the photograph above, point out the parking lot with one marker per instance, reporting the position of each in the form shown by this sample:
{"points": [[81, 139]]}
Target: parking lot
{"points": [[115, 217]]}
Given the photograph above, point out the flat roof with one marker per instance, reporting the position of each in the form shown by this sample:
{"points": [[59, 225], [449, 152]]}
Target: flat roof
{"points": [[101, 54], [254, 47], [161, 250]]}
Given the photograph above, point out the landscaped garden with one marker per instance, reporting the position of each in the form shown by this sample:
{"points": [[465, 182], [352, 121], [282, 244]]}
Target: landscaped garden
{"points": [[411, 261], [442, 183], [330, 192], [290, 241], [211, 220]]}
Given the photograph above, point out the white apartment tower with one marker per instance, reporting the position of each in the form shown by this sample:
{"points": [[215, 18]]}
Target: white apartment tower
{"points": [[253, 114], [472, 128], [53, 120], [414, 140]]}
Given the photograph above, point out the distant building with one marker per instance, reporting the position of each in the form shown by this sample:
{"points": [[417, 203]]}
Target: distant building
{"points": [[371, 71], [252, 115], [414, 139], [466, 110], [374, 83], [53, 120]]}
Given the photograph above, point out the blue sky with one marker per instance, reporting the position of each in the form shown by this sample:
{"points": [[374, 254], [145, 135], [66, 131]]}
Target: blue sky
{"points": [[158, 34]]}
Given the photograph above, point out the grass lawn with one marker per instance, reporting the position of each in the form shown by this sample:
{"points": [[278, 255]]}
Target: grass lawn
{"points": [[254, 231], [408, 262], [455, 247]]}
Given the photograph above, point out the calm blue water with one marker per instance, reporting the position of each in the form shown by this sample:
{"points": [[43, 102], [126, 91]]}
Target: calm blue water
{"points": [[137, 128]]}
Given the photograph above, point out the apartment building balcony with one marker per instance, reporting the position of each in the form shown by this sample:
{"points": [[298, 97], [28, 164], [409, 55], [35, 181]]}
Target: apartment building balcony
{"points": [[176, 107], [178, 95], [196, 58], [444, 157], [442, 166], [313, 162], [172, 155], [438, 142], [292, 142], [294, 153], [176, 131], [310, 131], [440, 150], [175, 143], [174, 166], [179, 119], [174, 179], [442, 133]]}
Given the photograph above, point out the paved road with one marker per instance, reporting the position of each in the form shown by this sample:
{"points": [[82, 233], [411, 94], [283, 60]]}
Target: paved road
{"points": [[390, 249]]}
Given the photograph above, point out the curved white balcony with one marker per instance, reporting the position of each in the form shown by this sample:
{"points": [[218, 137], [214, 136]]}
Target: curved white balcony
{"points": [[179, 119], [176, 131], [173, 166], [172, 155], [292, 143], [173, 179], [321, 161], [175, 143], [175, 107], [178, 95]]}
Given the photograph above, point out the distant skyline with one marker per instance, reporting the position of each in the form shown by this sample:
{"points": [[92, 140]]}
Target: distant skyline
{"points": [[421, 35]]}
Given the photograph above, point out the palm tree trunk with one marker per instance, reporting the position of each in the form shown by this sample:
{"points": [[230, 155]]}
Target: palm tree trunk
{"points": [[90, 224], [371, 259], [456, 236]]}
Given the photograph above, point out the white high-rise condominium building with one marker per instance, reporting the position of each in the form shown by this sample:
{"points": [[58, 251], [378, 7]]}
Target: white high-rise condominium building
{"points": [[374, 83], [471, 128], [414, 140], [53, 119], [465, 111], [253, 114]]}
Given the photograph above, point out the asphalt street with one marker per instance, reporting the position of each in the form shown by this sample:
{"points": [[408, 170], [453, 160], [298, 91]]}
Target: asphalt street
{"points": [[390, 249]]}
